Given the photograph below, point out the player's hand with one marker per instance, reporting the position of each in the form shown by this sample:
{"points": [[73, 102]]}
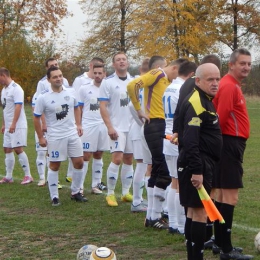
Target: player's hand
{"points": [[12, 128], [197, 180], [142, 116], [112, 134], [3, 129], [80, 130], [42, 142], [174, 139]]}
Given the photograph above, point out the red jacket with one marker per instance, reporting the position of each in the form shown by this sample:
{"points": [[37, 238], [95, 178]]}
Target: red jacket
{"points": [[230, 105]]}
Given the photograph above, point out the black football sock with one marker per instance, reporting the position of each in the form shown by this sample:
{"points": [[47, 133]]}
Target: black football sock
{"points": [[209, 229], [198, 234], [187, 231], [227, 212], [217, 227]]}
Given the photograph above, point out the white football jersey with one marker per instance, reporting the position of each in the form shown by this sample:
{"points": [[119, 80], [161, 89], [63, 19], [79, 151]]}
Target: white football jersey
{"points": [[58, 109], [44, 84], [88, 98], [11, 95], [170, 100], [81, 80], [114, 90]]}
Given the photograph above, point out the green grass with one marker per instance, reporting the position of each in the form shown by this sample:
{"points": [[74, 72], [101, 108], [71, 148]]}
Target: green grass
{"points": [[31, 228]]}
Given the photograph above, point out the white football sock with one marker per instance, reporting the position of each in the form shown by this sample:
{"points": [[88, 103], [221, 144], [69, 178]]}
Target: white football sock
{"points": [[76, 181], [53, 179], [84, 173], [126, 178], [158, 199], [181, 217], [164, 205], [150, 202], [112, 176], [9, 164], [97, 171], [41, 164], [70, 168], [172, 214], [138, 183], [23, 159]]}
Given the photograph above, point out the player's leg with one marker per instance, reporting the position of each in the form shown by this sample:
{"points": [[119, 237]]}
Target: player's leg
{"points": [[69, 171], [9, 158], [97, 172], [19, 140], [75, 152]]}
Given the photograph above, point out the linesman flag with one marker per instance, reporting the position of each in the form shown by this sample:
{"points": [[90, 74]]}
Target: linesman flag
{"points": [[209, 206]]}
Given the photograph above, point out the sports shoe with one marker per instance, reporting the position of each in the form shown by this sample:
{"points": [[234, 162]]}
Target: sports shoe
{"points": [[96, 190], [41, 183], [216, 249], [111, 200], [159, 224], [55, 202], [145, 202], [68, 179], [102, 186], [79, 197], [59, 186], [208, 245], [235, 255], [139, 208], [27, 180], [127, 197], [147, 222], [175, 231], [5, 180]]}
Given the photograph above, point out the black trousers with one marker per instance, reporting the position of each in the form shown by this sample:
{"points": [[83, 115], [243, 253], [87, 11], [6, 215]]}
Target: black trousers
{"points": [[154, 134]]}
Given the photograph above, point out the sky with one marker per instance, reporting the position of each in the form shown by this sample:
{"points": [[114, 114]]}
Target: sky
{"points": [[72, 26]]}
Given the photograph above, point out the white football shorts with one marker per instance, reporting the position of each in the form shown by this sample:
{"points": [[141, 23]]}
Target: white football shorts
{"points": [[16, 139]]}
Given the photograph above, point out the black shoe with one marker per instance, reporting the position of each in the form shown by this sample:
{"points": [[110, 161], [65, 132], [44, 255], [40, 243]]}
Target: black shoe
{"points": [[174, 231], [208, 245], [55, 202], [147, 222], [102, 186], [216, 249], [79, 197], [234, 255], [159, 223]]}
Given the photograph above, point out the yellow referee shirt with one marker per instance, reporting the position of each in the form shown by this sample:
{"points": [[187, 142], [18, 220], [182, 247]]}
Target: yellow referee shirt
{"points": [[154, 83]]}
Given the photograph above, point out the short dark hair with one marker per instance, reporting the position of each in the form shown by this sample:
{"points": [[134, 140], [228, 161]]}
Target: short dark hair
{"points": [[98, 65], [211, 58], [47, 61], [186, 68], [97, 60], [4, 71], [153, 60], [234, 55], [178, 61], [50, 70]]}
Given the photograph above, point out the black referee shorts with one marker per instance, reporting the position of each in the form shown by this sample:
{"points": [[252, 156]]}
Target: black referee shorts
{"points": [[229, 170]]}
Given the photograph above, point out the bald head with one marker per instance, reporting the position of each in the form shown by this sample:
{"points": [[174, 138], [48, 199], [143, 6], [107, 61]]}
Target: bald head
{"points": [[207, 78]]}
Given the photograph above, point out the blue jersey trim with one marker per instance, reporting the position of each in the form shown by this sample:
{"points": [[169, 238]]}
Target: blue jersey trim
{"points": [[36, 115], [103, 99], [20, 103]]}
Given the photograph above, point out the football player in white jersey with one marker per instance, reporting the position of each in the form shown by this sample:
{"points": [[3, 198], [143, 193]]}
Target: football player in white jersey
{"points": [[43, 85], [115, 112], [63, 121], [95, 139], [176, 213], [14, 127]]}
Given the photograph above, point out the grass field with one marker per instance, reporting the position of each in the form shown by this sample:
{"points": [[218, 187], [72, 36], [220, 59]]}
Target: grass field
{"points": [[31, 228]]}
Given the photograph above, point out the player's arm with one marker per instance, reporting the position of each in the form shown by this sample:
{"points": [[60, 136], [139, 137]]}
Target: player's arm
{"points": [[106, 118], [3, 124], [77, 113], [17, 112]]}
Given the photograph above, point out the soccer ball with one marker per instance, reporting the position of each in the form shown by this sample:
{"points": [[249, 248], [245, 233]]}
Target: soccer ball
{"points": [[85, 252], [102, 253], [257, 242]]}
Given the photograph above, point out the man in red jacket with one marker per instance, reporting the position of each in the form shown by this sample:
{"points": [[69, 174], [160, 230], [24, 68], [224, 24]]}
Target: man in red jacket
{"points": [[234, 123]]}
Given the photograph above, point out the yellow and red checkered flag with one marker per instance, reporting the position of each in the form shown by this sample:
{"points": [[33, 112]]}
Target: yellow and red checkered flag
{"points": [[209, 206]]}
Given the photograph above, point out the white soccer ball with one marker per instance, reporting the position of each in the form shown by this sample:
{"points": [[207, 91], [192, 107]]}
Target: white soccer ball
{"points": [[85, 252], [257, 242], [103, 253]]}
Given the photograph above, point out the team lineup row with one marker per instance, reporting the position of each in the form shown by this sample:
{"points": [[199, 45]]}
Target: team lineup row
{"points": [[96, 115]]}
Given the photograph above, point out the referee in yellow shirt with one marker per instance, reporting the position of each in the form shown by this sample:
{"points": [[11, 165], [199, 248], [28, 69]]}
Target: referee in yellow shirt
{"points": [[155, 83]]}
